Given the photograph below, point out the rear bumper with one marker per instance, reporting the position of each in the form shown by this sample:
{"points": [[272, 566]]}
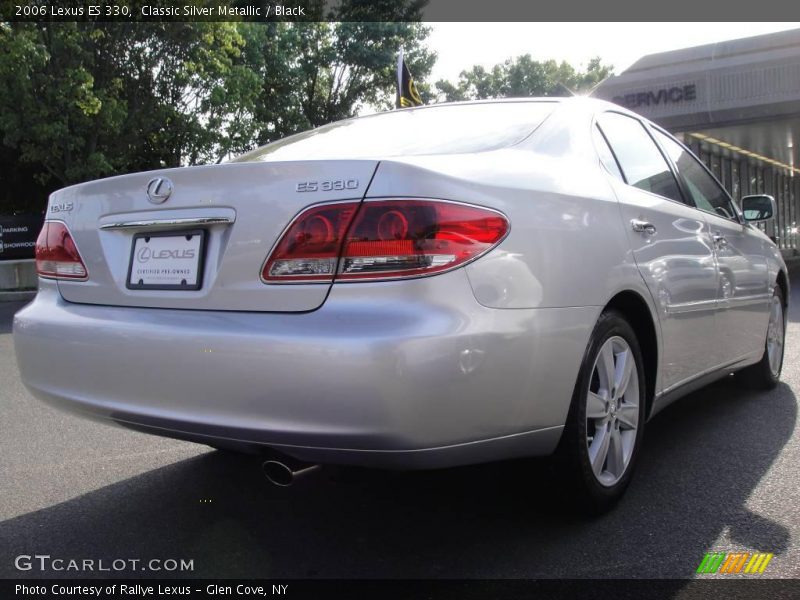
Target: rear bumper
{"points": [[404, 374]]}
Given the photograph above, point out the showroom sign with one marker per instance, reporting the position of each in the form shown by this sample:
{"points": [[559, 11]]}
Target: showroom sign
{"points": [[18, 235]]}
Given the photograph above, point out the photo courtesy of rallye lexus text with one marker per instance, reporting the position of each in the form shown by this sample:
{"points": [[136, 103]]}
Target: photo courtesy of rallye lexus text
{"points": [[429, 287], [106, 590]]}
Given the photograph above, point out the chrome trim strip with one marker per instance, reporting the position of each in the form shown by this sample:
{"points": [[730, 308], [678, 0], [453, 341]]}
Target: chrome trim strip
{"points": [[168, 223], [716, 303], [693, 306], [738, 301]]}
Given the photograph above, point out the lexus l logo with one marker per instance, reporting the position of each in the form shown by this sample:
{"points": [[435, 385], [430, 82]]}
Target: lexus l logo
{"points": [[145, 254], [159, 190]]}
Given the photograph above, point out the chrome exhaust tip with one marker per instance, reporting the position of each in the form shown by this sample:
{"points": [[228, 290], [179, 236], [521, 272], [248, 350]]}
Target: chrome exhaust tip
{"points": [[284, 473]]}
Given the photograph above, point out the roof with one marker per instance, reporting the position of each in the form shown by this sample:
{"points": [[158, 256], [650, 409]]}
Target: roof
{"points": [[720, 84], [690, 58]]}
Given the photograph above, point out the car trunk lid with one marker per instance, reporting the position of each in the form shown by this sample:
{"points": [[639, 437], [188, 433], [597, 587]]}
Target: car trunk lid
{"points": [[240, 211]]}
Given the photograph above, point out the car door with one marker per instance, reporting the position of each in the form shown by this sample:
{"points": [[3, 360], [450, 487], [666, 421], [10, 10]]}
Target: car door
{"points": [[672, 246], [743, 293]]}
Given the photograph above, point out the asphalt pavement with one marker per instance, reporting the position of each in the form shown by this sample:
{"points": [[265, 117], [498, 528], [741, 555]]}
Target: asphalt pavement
{"points": [[719, 472]]}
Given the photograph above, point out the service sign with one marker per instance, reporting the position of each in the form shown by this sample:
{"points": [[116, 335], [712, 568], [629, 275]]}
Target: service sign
{"points": [[18, 235]]}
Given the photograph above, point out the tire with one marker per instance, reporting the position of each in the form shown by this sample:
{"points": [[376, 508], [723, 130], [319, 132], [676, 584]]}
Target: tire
{"points": [[601, 419], [766, 373]]}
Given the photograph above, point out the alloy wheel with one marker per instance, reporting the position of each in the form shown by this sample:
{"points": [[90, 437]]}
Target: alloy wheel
{"points": [[612, 411], [775, 331]]}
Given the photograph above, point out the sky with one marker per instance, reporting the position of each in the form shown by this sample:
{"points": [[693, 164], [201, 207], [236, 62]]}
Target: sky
{"points": [[461, 45]]}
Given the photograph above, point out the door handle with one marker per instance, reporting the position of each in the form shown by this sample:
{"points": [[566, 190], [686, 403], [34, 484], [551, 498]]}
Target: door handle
{"points": [[719, 240], [640, 226]]}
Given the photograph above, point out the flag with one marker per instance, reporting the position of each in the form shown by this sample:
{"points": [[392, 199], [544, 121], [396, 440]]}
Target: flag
{"points": [[407, 94]]}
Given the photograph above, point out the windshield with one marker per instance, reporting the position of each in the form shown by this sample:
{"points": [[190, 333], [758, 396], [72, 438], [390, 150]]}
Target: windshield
{"points": [[446, 129]]}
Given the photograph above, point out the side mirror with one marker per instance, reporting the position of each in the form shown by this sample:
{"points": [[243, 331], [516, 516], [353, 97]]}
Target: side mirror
{"points": [[759, 208]]}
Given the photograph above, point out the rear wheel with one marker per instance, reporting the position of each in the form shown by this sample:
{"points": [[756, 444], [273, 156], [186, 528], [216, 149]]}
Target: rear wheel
{"points": [[604, 428], [765, 374]]}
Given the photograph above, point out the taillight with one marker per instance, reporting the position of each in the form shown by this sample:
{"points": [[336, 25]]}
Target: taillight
{"points": [[309, 248], [383, 240], [56, 254]]}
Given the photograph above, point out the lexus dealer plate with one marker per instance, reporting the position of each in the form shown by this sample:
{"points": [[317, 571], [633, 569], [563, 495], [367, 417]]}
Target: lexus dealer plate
{"points": [[167, 261]]}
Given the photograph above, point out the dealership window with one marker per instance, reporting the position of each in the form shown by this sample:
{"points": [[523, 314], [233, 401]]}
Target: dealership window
{"points": [[705, 157], [757, 186], [639, 158], [782, 192], [773, 227], [777, 187], [726, 173], [716, 167], [787, 199], [744, 178], [777, 193], [736, 188], [792, 198], [780, 218], [773, 185], [787, 210]]}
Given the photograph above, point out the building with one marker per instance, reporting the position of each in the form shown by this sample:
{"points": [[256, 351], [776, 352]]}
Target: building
{"points": [[737, 105]]}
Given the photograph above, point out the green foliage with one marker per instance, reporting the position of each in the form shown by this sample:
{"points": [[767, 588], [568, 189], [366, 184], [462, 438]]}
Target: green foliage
{"points": [[521, 77], [80, 101], [315, 73], [85, 100]]}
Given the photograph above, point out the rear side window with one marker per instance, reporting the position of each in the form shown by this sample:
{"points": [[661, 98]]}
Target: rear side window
{"points": [[446, 129], [641, 161], [706, 193]]}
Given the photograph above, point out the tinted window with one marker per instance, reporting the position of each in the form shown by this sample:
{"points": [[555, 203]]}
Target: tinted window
{"points": [[706, 193], [605, 154], [641, 161], [431, 130]]}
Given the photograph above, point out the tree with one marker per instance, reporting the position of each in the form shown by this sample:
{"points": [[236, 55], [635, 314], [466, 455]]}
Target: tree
{"points": [[521, 77], [84, 100], [315, 73], [80, 101]]}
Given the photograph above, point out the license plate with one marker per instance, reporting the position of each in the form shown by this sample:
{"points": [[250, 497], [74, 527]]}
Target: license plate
{"points": [[167, 261]]}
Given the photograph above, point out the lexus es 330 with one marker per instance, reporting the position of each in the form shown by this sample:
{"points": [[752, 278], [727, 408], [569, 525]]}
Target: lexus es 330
{"points": [[423, 288]]}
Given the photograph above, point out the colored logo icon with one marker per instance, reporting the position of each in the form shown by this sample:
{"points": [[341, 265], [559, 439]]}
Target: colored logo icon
{"points": [[735, 562]]}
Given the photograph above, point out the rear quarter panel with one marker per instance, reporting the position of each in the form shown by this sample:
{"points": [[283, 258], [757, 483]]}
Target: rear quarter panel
{"points": [[566, 245]]}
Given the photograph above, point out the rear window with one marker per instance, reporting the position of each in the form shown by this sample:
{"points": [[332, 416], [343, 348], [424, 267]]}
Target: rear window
{"points": [[446, 129]]}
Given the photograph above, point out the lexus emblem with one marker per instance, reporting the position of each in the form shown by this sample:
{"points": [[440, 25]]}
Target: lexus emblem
{"points": [[159, 190]]}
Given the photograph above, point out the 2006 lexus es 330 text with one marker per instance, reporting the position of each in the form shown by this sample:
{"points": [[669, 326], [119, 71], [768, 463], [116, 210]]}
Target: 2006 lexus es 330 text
{"points": [[429, 287]]}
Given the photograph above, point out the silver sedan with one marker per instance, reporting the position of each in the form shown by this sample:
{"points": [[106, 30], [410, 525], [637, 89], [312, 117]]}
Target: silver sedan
{"points": [[424, 288]]}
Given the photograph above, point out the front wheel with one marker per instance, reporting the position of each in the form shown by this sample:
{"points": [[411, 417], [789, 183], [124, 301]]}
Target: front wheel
{"points": [[765, 374], [604, 428]]}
